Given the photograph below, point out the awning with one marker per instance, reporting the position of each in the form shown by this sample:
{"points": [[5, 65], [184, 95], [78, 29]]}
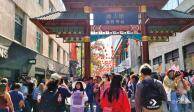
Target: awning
{"points": [[63, 23], [167, 22]]}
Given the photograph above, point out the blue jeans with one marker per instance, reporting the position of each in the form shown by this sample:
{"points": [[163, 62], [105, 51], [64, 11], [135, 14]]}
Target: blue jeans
{"points": [[89, 108], [183, 107], [27, 107], [173, 107], [98, 108]]}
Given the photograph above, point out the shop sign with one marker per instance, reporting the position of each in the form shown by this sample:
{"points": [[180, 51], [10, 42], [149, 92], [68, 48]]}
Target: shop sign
{"points": [[51, 67], [111, 28], [32, 61], [116, 18], [3, 52]]}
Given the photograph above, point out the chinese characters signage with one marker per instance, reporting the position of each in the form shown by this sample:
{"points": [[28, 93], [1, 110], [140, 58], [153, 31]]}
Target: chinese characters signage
{"points": [[116, 18]]}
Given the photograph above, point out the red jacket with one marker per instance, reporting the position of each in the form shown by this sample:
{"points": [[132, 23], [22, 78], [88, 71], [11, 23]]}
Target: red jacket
{"points": [[120, 105]]}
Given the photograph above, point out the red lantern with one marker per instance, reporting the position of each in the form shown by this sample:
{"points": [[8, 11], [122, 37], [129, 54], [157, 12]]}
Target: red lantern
{"points": [[111, 47]]}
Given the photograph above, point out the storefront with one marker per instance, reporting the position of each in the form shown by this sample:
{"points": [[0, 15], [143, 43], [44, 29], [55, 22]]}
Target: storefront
{"points": [[189, 56], [17, 60]]}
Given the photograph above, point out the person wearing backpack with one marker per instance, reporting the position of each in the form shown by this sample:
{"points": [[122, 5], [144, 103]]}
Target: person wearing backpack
{"points": [[78, 97], [149, 92], [48, 102], [115, 97]]}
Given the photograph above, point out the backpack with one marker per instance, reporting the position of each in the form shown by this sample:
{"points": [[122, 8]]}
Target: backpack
{"points": [[151, 96], [49, 101]]}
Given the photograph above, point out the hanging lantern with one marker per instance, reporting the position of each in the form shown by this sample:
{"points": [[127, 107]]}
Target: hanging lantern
{"points": [[103, 47], [111, 47]]}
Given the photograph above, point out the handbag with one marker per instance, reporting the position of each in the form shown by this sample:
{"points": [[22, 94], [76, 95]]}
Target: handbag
{"points": [[184, 100]]}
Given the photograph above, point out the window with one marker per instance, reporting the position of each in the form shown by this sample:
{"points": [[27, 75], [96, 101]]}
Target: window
{"points": [[40, 2], [51, 7], [64, 57], [50, 48], [157, 60], [18, 28], [172, 56], [38, 42], [58, 53]]}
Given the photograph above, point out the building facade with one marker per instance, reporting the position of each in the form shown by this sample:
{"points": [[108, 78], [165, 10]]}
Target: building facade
{"points": [[179, 50], [127, 55], [24, 48]]}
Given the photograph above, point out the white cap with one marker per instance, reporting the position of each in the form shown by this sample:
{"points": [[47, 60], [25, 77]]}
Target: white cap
{"points": [[55, 76]]}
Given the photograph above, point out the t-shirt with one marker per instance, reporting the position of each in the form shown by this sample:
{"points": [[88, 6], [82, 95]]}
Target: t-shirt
{"points": [[16, 97]]}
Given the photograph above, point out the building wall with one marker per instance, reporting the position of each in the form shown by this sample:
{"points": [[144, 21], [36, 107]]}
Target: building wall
{"points": [[135, 54], [176, 42], [31, 9]]}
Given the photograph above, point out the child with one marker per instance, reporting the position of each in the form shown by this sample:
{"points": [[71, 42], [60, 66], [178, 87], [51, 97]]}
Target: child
{"points": [[78, 97]]}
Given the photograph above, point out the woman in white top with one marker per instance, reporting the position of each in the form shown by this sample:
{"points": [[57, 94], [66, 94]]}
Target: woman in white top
{"points": [[78, 97]]}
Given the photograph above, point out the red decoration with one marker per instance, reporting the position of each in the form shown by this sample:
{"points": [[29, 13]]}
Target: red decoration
{"points": [[136, 41], [128, 44]]}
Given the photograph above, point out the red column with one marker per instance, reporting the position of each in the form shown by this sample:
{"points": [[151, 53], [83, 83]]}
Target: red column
{"points": [[73, 52], [87, 59], [145, 46]]}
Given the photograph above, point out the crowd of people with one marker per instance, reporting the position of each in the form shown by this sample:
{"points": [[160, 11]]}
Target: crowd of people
{"points": [[146, 91]]}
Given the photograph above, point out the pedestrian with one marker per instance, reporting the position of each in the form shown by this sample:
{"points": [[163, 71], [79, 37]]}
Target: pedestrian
{"points": [[78, 97], [62, 94], [115, 97], [183, 87], [169, 84], [104, 84], [5, 81], [96, 91], [25, 90], [17, 98], [6, 104], [150, 92], [131, 88], [90, 94], [36, 96]]}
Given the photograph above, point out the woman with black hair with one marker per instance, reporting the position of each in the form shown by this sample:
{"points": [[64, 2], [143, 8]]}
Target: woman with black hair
{"points": [[78, 97], [104, 84], [115, 97]]}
